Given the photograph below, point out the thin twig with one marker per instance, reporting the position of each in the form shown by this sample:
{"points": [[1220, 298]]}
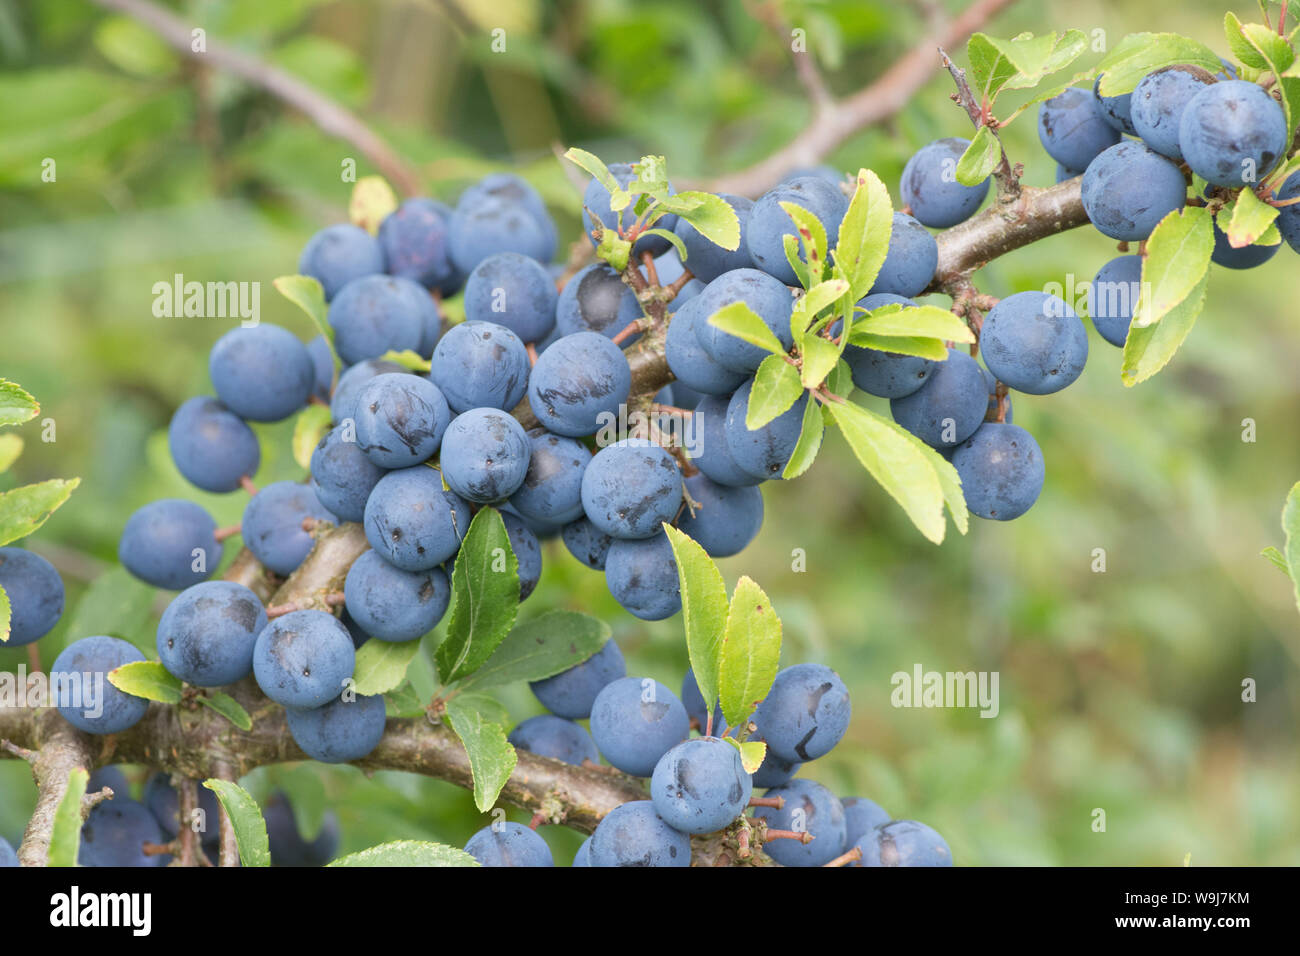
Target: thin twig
{"points": [[328, 116], [839, 120]]}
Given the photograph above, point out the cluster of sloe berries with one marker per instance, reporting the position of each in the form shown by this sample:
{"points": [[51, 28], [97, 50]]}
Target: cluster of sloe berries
{"points": [[698, 784]]}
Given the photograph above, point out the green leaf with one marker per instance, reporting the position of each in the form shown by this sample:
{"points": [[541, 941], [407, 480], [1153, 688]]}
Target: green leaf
{"points": [[595, 166], [1241, 48], [752, 753], [810, 441], [228, 707], [776, 387], [949, 481], [147, 679], [24, 509], [819, 297], [1177, 260], [117, 604], [65, 835], [791, 245], [1279, 562], [16, 406], [704, 610], [932, 349], [1257, 46], [812, 236], [864, 233], [486, 585], [614, 250], [486, 706], [491, 757], [712, 216], [407, 359], [913, 321], [11, 446], [541, 648], [371, 201], [307, 294], [990, 69], [1251, 217], [1149, 349], [6, 616], [1260, 48], [1291, 528], [308, 428], [1141, 53], [381, 666], [1290, 86], [408, 853], [671, 236], [901, 468], [820, 356], [650, 177], [980, 159], [739, 320], [751, 650], [404, 701], [246, 818], [133, 48]]}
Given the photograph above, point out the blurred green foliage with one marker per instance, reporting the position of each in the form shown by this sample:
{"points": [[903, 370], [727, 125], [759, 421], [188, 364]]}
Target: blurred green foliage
{"points": [[1119, 690]]}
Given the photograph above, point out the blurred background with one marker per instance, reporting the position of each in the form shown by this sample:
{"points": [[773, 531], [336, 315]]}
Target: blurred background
{"points": [[1119, 690]]}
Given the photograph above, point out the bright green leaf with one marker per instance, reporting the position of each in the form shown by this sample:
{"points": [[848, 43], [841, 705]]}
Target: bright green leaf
{"points": [[308, 294], [776, 387], [1251, 217], [820, 356], [308, 428], [24, 509], [147, 679], [739, 320], [491, 757], [381, 666], [11, 446], [980, 159], [1279, 562], [6, 616], [593, 165], [65, 835], [932, 349], [864, 232], [406, 853], [810, 441], [16, 406], [485, 583], [540, 648], [751, 651], [893, 459], [812, 236], [371, 201], [712, 216], [1141, 53], [246, 818], [791, 245], [752, 753], [408, 359], [704, 610], [227, 707], [913, 321], [1150, 348], [1291, 527], [1177, 260]]}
